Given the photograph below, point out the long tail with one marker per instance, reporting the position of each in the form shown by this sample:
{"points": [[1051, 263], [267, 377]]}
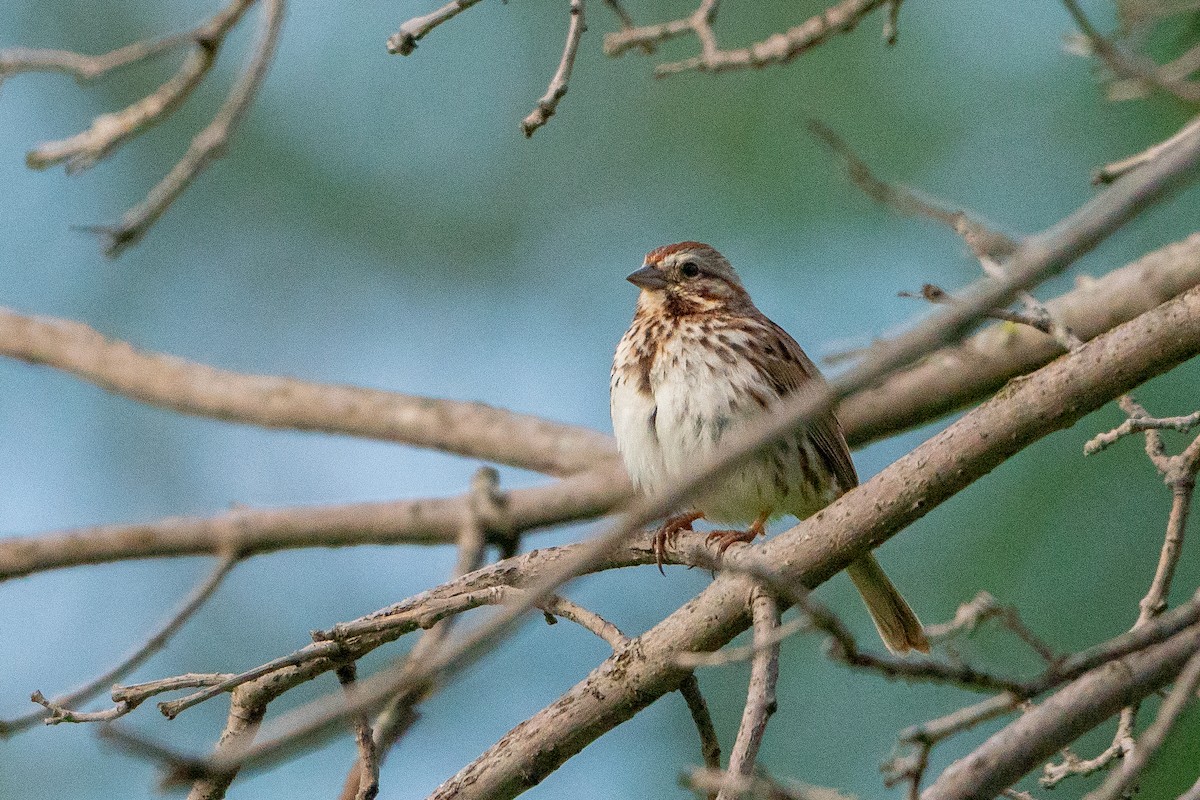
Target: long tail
{"points": [[898, 626]]}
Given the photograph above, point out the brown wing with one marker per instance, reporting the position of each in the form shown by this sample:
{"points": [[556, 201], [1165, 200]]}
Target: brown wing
{"points": [[789, 367]]}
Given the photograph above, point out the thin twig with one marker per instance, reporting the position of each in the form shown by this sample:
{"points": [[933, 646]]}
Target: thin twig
{"points": [[1110, 172], [626, 22], [1139, 424], [844, 648], [404, 41], [548, 103], [710, 746], [755, 787], [127, 698], [60, 706], [778, 48], [1128, 65], [984, 241], [1035, 315], [732, 655], [982, 608], [84, 67], [760, 697], [366, 767], [109, 132], [1179, 472], [207, 146], [1078, 707]]}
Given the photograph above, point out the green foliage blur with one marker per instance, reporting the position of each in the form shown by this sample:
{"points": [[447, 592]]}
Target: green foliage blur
{"points": [[381, 221]]}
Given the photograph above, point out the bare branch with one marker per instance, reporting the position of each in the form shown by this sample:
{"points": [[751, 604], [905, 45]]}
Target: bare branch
{"points": [[404, 41], [1072, 765], [1035, 315], [954, 377], [247, 532], [207, 146], [59, 706], [1084, 704], [366, 768], [548, 104], [82, 67], [1038, 256], [710, 747], [983, 240], [1180, 475], [949, 379], [760, 699], [470, 429], [1110, 172], [1140, 424], [626, 21], [779, 48], [109, 131], [755, 787], [984, 607], [1127, 65], [820, 546]]}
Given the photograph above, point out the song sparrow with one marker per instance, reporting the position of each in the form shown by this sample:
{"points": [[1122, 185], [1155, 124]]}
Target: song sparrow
{"points": [[700, 359]]}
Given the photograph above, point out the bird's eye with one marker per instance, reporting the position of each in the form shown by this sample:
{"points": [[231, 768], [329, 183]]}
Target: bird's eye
{"points": [[689, 270]]}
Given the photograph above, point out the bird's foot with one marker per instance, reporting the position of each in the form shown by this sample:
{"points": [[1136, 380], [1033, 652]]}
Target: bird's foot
{"points": [[723, 539], [666, 533]]}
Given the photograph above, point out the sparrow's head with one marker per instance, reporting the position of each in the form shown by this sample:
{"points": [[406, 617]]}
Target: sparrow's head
{"points": [[689, 278]]}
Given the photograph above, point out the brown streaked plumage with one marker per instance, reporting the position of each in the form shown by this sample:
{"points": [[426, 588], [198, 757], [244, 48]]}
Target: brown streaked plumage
{"points": [[699, 360]]}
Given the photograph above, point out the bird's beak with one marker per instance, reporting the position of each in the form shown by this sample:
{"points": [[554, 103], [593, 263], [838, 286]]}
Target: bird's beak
{"points": [[648, 277]]}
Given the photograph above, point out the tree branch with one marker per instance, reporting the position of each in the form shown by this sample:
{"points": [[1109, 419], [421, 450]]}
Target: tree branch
{"points": [[60, 706], [249, 532], [779, 48], [548, 104], [956, 376], [470, 429], [109, 131], [404, 41], [949, 379], [1150, 742], [808, 554], [760, 699], [1076, 709], [206, 147]]}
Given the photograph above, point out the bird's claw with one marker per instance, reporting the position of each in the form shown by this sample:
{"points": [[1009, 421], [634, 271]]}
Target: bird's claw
{"points": [[724, 539], [666, 533]]}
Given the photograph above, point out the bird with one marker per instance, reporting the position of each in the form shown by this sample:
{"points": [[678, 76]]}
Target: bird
{"points": [[698, 361]]}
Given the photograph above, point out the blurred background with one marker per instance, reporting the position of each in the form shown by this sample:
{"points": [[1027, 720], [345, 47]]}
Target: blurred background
{"points": [[381, 221]]}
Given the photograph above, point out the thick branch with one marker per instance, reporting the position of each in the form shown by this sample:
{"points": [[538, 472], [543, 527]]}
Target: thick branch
{"points": [[958, 376], [810, 553], [470, 429], [954, 377], [1035, 736], [247, 532]]}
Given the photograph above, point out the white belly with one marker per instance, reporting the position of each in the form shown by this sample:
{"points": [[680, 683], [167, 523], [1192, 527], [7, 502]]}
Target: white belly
{"points": [[697, 399]]}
